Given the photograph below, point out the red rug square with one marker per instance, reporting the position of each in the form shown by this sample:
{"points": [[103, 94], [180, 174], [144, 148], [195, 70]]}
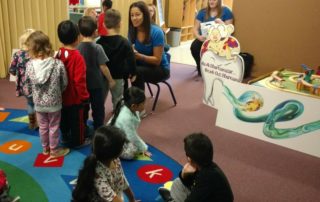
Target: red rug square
{"points": [[47, 161]]}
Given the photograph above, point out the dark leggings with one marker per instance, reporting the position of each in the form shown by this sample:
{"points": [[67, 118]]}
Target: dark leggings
{"points": [[195, 51], [150, 74], [97, 98]]}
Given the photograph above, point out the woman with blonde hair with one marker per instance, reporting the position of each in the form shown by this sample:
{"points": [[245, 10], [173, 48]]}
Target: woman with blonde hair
{"points": [[214, 11], [90, 12], [153, 12]]}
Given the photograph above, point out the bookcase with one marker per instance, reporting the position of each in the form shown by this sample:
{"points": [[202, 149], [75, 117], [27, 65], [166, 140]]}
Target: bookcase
{"points": [[181, 14]]}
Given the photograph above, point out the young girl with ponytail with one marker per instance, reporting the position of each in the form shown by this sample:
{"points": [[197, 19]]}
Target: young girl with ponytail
{"points": [[126, 117]]}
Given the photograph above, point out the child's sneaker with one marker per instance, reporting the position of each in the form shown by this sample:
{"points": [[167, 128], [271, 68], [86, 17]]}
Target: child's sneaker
{"points": [[62, 151], [165, 194], [16, 199], [4, 197], [86, 142]]}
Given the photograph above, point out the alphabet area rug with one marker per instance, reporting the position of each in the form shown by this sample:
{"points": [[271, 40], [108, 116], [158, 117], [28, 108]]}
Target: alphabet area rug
{"points": [[36, 177]]}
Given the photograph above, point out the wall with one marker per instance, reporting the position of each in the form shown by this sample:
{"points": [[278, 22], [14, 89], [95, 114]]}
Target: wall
{"points": [[123, 7], [280, 34], [18, 15]]}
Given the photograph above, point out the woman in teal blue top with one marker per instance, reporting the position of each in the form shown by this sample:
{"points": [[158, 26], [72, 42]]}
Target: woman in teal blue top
{"points": [[147, 42], [213, 12]]}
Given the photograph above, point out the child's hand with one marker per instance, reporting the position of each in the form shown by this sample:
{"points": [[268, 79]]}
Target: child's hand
{"points": [[132, 78], [134, 49], [219, 21], [202, 38], [147, 153], [112, 83], [188, 169]]}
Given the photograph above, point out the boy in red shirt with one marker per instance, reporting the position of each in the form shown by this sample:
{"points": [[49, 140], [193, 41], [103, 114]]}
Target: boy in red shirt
{"points": [[102, 30], [75, 97]]}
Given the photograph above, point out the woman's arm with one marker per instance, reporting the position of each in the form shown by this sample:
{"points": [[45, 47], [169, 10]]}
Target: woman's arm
{"points": [[196, 28], [228, 22], [154, 59]]}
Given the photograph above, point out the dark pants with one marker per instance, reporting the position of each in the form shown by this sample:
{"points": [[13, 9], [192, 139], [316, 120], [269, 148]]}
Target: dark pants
{"points": [[97, 98], [150, 74], [72, 125], [195, 51]]}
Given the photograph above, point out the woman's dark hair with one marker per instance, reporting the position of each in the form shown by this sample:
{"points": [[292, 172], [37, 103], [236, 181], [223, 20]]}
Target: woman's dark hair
{"points": [[132, 95], [199, 148], [146, 24], [107, 145]]}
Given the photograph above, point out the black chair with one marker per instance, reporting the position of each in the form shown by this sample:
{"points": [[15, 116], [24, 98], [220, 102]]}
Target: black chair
{"points": [[158, 88]]}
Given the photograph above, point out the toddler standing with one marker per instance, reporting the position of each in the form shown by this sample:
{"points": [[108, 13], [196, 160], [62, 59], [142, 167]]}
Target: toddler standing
{"points": [[122, 63], [18, 69], [73, 124], [97, 70], [47, 78]]}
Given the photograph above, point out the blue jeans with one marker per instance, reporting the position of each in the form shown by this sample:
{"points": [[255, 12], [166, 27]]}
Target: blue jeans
{"points": [[30, 105]]}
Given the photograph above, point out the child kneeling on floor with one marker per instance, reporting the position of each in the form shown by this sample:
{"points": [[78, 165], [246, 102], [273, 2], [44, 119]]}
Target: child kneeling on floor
{"points": [[47, 78], [126, 117]]}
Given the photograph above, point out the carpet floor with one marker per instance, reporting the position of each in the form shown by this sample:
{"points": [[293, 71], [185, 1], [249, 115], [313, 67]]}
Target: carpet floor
{"points": [[257, 170]]}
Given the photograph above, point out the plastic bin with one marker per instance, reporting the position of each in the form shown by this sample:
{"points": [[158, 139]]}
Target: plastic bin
{"points": [[173, 37]]}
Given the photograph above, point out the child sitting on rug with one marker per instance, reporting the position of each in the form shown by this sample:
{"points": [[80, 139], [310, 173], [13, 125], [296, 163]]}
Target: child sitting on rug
{"points": [[101, 178], [47, 78], [18, 69], [200, 179], [126, 117]]}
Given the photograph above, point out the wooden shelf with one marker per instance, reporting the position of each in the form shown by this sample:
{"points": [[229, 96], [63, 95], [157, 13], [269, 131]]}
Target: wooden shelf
{"points": [[181, 13]]}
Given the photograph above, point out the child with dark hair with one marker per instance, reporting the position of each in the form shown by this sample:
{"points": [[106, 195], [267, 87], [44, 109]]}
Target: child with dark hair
{"points": [[200, 179], [121, 62], [101, 178], [97, 70], [102, 30], [48, 79], [73, 125], [126, 117]]}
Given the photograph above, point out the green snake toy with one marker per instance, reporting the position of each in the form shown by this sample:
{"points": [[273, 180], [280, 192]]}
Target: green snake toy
{"points": [[285, 111]]}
